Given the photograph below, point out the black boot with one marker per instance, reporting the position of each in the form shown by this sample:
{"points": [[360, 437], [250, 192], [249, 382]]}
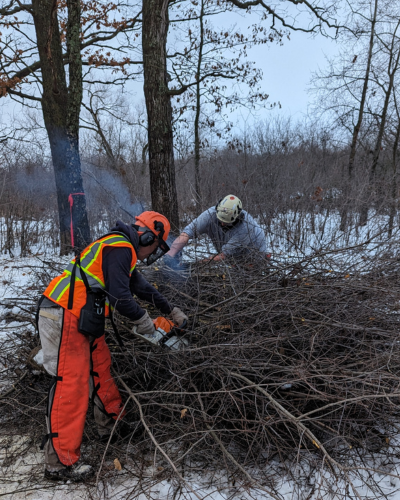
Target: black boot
{"points": [[70, 473]]}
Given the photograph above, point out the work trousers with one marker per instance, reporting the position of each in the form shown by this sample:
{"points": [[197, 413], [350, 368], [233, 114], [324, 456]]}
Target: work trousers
{"points": [[80, 366]]}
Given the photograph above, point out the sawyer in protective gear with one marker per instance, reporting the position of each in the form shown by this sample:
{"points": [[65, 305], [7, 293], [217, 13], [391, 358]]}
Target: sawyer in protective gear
{"points": [[80, 363]]}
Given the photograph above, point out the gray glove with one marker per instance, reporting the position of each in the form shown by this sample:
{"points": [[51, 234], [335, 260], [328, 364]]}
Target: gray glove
{"points": [[177, 316], [145, 325]]}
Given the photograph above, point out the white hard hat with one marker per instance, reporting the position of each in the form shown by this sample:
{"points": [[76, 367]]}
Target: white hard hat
{"points": [[228, 209]]}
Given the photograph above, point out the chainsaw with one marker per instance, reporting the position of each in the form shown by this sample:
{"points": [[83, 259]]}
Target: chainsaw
{"points": [[166, 334]]}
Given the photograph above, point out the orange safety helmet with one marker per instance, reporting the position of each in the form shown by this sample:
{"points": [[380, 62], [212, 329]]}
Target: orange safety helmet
{"points": [[150, 220], [152, 226]]}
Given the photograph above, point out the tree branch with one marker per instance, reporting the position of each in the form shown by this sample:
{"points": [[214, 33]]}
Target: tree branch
{"points": [[5, 11], [311, 8], [301, 427], [24, 96], [155, 441], [183, 89], [127, 27]]}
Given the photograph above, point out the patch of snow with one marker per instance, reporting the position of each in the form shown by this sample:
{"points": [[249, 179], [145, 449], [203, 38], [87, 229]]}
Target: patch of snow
{"points": [[38, 359]]}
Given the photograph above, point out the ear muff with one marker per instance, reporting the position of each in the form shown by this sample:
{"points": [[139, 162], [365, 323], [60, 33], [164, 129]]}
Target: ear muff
{"points": [[147, 237]]}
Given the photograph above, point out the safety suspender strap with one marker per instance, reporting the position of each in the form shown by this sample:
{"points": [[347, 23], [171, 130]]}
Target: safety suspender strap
{"points": [[116, 332], [72, 283], [84, 277], [72, 286]]}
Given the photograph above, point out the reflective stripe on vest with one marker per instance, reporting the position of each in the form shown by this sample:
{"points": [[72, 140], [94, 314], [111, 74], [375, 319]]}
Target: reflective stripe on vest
{"points": [[88, 257]]}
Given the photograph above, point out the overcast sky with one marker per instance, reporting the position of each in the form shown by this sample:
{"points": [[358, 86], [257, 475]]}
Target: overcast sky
{"points": [[287, 71], [288, 68]]}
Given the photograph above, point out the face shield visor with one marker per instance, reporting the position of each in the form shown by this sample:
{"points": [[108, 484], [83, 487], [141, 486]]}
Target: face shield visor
{"points": [[161, 250]]}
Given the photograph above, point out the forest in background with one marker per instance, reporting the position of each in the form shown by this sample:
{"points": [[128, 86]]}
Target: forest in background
{"points": [[178, 149]]}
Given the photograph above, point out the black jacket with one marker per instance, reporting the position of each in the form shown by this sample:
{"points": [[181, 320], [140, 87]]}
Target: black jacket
{"points": [[116, 267]]}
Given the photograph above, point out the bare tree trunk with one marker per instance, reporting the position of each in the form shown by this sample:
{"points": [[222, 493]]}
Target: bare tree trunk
{"points": [[392, 69], [61, 107], [197, 178], [357, 126], [155, 23], [353, 148], [393, 205], [382, 125]]}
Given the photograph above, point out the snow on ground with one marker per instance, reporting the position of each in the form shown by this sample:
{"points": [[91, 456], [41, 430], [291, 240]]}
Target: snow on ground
{"points": [[290, 236], [18, 287], [119, 487], [22, 483]]}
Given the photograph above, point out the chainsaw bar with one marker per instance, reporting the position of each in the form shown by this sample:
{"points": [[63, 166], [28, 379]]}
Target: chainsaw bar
{"points": [[176, 331], [142, 337]]}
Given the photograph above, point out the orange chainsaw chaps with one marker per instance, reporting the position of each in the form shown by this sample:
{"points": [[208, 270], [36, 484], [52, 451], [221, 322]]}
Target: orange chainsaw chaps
{"points": [[163, 323], [71, 395], [107, 389]]}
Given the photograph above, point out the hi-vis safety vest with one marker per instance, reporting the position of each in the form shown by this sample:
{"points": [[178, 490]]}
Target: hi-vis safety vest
{"points": [[91, 263]]}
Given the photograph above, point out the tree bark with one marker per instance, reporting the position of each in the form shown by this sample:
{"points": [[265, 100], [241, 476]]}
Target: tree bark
{"points": [[155, 23], [382, 125], [61, 108], [357, 126], [393, 205], [347, 205], [393, 66], [197, 178]]}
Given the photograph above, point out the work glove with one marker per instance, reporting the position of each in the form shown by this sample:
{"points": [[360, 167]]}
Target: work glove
{"points": [[145, 325], [178, 317]]}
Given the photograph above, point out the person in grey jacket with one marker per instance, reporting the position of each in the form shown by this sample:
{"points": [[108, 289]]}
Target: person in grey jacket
{"points": [[233, 231]]}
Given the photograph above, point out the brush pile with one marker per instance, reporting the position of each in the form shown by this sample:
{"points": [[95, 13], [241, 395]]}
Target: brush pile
{"points": [[290, 368]]}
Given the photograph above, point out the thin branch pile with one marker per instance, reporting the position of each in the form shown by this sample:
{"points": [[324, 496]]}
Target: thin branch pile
{"points": [[287, 364]]}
